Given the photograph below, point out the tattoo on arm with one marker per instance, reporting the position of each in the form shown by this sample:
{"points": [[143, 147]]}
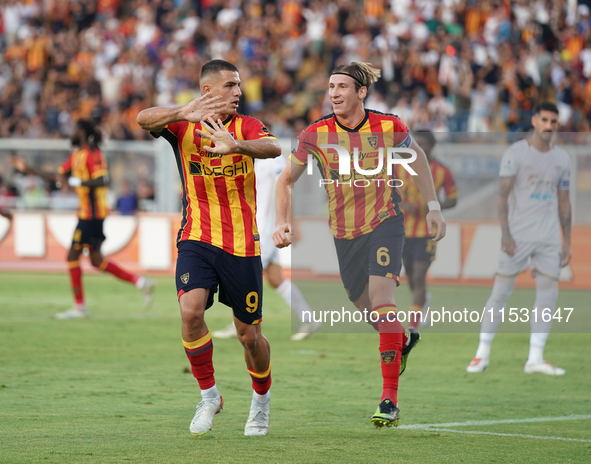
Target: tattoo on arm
{"points": [[505, 187], [565, 222], [565, 214]]}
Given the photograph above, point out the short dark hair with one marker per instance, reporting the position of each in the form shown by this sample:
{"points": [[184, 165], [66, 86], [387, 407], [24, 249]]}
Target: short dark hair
{"points": [[427, 135], [545, 106], [93, 135], [216, 66]]}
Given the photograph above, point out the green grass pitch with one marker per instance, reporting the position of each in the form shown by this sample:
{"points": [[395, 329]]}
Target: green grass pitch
{"points": [[116, 388]]}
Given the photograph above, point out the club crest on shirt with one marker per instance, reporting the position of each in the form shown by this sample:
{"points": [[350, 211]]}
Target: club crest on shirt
{"points": [[373, 141], [185, 278], [388, 356]]}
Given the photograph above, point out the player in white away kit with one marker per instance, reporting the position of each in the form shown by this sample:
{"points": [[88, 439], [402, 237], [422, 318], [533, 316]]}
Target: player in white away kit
{"points": [[533, 204], [266, 172]]}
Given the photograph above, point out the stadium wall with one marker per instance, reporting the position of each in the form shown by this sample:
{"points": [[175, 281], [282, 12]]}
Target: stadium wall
{"points": [[37, 241]]}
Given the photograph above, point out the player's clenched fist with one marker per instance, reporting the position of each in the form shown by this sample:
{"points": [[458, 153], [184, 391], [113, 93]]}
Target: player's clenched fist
{"points": [[282, 235]]}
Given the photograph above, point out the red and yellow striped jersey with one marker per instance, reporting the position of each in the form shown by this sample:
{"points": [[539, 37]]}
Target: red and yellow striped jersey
{"points": [[219, 192], [358, 203], [88, 164], [415, 224]]}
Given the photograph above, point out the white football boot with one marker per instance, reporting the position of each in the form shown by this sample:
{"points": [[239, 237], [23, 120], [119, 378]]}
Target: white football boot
{"points": [[226, 332], [147, 288], [203, 420], [477, 365], [306, 329], [542, 368], [258, 419], [77, 312]]}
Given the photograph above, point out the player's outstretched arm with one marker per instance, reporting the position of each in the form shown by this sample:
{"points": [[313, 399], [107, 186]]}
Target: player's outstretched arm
{"points": [[505, 187], [424, 182], [102, 181], [6, 213], [157, 118], [21, 165], [224, 143], [449, 203], [283, 228], [565, 216]]}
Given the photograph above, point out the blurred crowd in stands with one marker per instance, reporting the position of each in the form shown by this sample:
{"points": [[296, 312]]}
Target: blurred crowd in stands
{"points": [[447, 65]]}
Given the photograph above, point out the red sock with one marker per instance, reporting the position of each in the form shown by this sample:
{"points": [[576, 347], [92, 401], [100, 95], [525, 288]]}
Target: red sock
{"points": [[261, 381], [76, 282], [120, 273], [200, 354], [391, 335]]}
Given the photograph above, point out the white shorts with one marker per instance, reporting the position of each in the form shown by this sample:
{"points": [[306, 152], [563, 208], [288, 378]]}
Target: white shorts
{"points": [[269, 252], [544, 258]]}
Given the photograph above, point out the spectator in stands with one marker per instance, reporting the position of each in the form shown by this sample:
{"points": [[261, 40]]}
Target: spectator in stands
{"points": [[108, 59], [127, 203]]}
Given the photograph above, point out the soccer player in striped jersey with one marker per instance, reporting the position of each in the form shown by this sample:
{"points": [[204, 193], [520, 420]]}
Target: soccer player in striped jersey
{"points": [[266, 177], [218, 242], [419, 249], [533, 203], [86, 171], [367, 224]]}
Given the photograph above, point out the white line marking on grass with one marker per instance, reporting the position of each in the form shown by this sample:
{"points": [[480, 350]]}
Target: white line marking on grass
{"points": [[444, 427], [34, 301], [501, 421], [515, 435], [304, 351], [102, 317]]}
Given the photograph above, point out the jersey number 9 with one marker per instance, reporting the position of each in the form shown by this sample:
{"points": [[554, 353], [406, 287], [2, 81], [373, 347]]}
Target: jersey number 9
{"points": [[252, 302]]}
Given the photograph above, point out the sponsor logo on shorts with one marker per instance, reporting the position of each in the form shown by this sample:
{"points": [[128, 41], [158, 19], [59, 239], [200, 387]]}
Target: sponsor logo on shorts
{"points": [[388, 356], [185, 278]]}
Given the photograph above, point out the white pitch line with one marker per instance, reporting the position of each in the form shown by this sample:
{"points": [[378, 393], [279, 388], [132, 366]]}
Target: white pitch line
{"points": [[501, 421], [514, 435], [102, 317]]}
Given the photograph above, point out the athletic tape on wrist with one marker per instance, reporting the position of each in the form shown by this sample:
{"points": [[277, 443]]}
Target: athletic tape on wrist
{"points": [[434, 206]]}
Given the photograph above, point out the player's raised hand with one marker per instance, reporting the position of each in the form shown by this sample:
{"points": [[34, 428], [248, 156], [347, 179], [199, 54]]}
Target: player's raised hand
{"points": [[435, 218], [222, 141], [19, 164], [282, 235], [203, 107]]}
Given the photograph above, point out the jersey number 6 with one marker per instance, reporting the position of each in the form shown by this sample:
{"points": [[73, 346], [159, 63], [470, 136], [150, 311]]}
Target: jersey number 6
{"points": [[383, 256]]}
